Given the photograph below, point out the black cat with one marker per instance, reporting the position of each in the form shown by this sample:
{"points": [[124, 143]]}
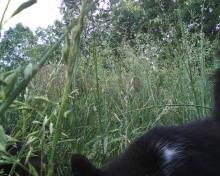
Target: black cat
{"points": [[187, 150]]}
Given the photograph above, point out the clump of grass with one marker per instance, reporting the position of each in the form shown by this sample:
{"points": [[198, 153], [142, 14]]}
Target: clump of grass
{"points": [[167, 85]]}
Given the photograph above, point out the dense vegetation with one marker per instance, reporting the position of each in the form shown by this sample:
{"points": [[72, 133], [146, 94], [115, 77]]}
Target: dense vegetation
{"points": [[140, 64]]}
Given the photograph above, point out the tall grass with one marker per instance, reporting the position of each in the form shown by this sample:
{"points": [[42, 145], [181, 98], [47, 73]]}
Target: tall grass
{"points": [[169, 85], [113, 101]]}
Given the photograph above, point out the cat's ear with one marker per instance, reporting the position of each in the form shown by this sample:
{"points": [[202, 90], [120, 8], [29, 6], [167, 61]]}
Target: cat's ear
{"points": [[81, 166]]}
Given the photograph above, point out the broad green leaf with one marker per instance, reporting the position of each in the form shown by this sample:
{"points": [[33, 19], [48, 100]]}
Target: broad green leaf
{"points": [[28, 70], [10, 80], [24, 6], [3, 139]]}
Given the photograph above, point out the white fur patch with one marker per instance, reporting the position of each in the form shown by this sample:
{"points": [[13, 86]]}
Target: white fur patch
{"points": [[169, 154], [172, 155]]}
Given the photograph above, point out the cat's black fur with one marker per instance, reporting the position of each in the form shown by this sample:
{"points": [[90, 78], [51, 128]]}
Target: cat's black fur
{"points": [[187, 150]]}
